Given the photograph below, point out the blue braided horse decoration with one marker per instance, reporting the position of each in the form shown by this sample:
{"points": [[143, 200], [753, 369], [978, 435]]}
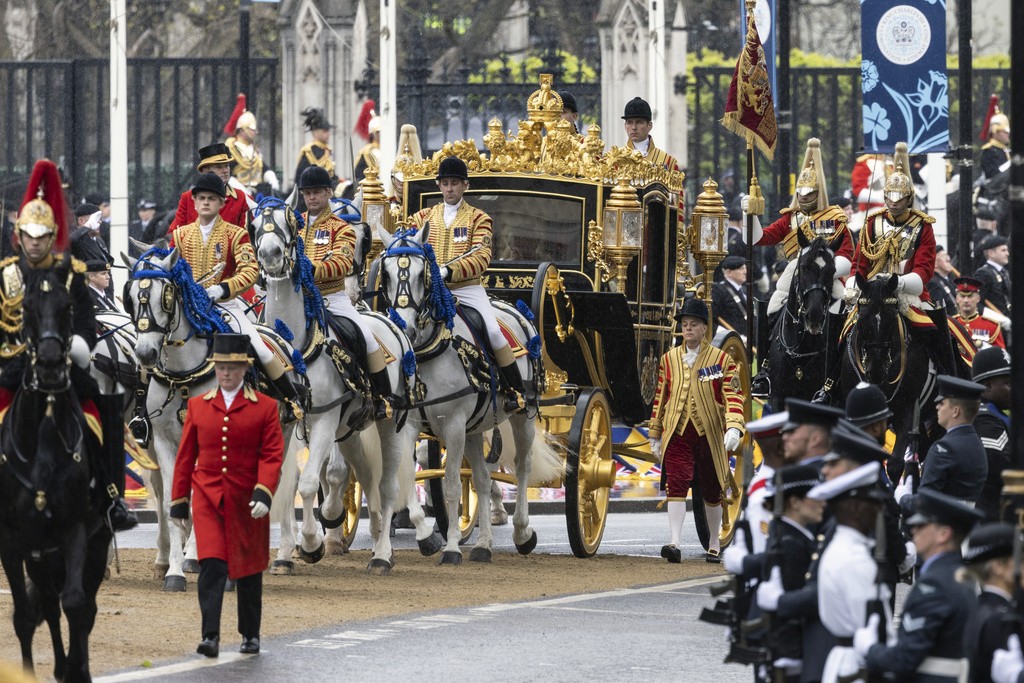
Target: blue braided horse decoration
{"points": [[455, 408]]}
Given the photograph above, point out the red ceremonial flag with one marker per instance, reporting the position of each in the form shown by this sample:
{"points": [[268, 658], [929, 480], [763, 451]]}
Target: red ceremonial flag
{"points": [[749, 111]]}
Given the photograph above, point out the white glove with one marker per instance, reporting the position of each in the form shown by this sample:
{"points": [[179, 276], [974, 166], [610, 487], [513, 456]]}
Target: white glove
{"points": [[851, 295], [216, 292], [769, 592], [655, 449], [905, 488], [94, 221], [444, 272], [791, 667], [1008, 664], [732, 557], [911, 559], [732, 439], [745, 203], [79, 352], [866, 636], [258, 509], [910, 283], [270, 178], [181, 524]]}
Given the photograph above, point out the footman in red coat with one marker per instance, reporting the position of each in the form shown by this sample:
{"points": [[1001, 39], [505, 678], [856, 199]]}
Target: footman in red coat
{"points": [[228, 466]]}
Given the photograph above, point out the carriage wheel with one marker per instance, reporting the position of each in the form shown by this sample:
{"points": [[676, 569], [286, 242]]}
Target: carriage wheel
{"points": [[590, 472], [467, 504], [353, 502]]}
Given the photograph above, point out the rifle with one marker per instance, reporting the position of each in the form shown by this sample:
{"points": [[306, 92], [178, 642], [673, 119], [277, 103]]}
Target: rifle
{"points": [[877, 606]]}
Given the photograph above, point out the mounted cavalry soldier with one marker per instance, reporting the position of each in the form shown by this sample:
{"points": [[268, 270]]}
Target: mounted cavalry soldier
{"points": [[808, 216], [461, 237], [42, 225], [210, 243], [246, 158], [216, 159], [330, 244]]}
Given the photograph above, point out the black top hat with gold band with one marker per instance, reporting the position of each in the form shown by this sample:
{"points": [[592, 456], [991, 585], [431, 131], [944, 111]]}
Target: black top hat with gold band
{"points": [[229, 347], [217, 153]]}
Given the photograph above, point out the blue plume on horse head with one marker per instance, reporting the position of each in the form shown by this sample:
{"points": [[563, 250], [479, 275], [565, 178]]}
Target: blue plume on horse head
{"points": [[303, 277], [409, 363], [278, 204], [199, 310]]}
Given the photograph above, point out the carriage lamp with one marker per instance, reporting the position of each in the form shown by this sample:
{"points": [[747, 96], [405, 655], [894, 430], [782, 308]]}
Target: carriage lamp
{"points": [[376, 207], [708, 232], [622, 232]]}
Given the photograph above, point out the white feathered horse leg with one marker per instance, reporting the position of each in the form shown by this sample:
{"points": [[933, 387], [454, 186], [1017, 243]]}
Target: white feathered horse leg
{"points": [[282, 510], [481, 552]]}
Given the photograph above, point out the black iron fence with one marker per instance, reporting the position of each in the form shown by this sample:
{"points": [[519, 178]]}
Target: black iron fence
{"points": [[59, 109]]}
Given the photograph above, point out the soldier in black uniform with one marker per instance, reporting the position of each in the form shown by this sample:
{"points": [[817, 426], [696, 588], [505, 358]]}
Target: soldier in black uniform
{"points": [[317, 152], [97, 275], [729, 297], [956, 464], [929, 643], [995, 278], [989, 559], [992, 370], [941, 287]]}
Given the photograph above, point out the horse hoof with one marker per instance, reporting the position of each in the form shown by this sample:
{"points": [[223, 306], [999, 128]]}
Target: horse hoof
{"points": [[174, 584], [378, 567], [328, 523], [312, 557], [480, 555], [106, 574], [531, 543], [334, 547], [229, 586], [450, 557], [282, 568], [160, 571], [190, 566], [297, 553], [431, 544]]}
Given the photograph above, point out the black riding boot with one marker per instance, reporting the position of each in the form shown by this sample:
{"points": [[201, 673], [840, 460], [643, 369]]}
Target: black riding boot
{"points": [[290, 395], [760, 384], [514, 381], [940, 345], [112, 420], [380, 385]]}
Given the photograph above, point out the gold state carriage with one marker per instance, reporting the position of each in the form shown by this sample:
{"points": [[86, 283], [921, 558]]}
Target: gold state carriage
{"points": [[594, 241]]}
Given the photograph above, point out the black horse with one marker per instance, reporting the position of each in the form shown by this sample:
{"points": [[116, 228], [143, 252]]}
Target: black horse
{"points": [[881, 349], [48, 526], [802, 334]]}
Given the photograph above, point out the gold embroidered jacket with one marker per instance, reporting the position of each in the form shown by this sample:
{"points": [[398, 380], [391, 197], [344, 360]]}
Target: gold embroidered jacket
{"points": [[228, 244], [657, 156], [706, 395], [464, 246], [330, 244], [248, 164]]}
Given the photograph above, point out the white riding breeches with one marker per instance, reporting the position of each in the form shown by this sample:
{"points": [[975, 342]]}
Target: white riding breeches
{"points": [[240, 323], [476, 298], [784, 283], [339, 303]]}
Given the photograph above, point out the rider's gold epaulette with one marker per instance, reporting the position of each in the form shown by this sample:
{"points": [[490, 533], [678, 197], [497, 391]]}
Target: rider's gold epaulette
{"points": [[924, 218], [831, 213], [78, 266], [874, 213], [994, 143], [8, 261], [786, 211]]}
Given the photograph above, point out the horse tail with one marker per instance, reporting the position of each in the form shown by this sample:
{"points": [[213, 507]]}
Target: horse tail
{"points": [[546, 463]]}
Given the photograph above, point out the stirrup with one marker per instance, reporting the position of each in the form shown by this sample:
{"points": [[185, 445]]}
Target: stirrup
{"points": [[382, 409], [760, 386], [513, 402]]}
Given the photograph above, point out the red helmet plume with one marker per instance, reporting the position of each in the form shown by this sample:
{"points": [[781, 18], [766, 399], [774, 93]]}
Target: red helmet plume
{"points": [[44, 205], [362, 127], [232, 124]]}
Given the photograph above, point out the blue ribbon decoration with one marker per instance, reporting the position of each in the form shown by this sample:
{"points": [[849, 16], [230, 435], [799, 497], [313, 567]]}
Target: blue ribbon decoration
{"points": [[197, 306]]}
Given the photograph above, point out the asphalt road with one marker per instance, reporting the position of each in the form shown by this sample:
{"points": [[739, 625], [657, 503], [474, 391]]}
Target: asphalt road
{"points": [[648, 634]]}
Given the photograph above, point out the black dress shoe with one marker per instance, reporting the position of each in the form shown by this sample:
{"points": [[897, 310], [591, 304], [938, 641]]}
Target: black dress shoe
{"points": [[210, 647], [250, 646], [713, 556], [121, 518], [672, 554]]}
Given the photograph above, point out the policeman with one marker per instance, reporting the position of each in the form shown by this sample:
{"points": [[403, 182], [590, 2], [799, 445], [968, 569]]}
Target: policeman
{"points": [[228, 466], [638, 124], [729, 297], [995, 279], [330, 243], [40, 226], [989, 559], [929, 644], [984, 332], [807, 437], [245, 153], [991, 369], [209, 242], [216, 159], [868, 410], [956, 464], [698, 408], [461, 237]]}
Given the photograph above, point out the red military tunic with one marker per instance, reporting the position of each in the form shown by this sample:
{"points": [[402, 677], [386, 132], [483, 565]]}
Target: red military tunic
{"points": [[784, 231], [983, 331], [228, 244], [910, 248], [464, 246], [225, 455], [866, 181], [235, 210]]}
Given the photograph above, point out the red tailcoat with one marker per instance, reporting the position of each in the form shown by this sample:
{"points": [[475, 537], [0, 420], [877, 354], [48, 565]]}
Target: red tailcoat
{"points": [[982, 330], [916, 248], [224, 456], [234, 211]]}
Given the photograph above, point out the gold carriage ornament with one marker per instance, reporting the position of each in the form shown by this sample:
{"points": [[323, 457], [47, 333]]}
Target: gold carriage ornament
{"points": [[620, 237], [708, 233]]}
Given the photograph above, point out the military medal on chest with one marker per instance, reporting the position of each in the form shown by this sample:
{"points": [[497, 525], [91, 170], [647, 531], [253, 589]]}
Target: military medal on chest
{"points": [[460, 234], [218, 251]]}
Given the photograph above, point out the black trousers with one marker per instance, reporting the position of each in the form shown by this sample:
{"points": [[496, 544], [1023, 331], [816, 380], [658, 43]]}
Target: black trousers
{"points": [[213, 574], [110, 407]]}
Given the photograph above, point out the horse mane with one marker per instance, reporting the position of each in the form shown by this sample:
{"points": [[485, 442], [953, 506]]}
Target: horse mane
{"points": [[196, 304]]}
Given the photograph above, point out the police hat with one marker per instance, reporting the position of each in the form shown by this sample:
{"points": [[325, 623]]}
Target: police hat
{"points": [[938, 508], [989, 541], [733, 262], [866, 404], [767, 426], [85, 209], [804, 412], [637, 108], [209, 182], [568, 103], [967, 284], [990, 362], [314, 177], [97, 266], [993, 242], [954, 387], [797, 480], [229, 347], [452, 167], [217, 153], [855, 445], [145, 204], [694, 308], [861, 483]]}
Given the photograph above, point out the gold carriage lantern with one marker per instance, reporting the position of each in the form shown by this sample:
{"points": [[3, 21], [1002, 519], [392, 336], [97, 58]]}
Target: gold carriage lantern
{"points": [[622, 232], [708, 232], [376, 207]]}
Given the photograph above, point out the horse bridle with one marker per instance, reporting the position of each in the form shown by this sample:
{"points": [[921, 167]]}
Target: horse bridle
{"points": [[865, 346], [404, 297], [63, 339], [268, 226], [144, 317]]}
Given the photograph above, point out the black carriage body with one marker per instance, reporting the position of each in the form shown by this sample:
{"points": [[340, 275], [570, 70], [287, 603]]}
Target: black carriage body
{"points": [[618, 337]]}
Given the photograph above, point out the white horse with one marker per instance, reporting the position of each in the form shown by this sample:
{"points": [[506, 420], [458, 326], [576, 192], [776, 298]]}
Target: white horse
{"points": [[175, 357], [454, 409], [382, 458]]}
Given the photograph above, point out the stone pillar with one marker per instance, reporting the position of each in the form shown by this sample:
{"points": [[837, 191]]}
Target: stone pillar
{"points": [[678, 138], [622, 28]]}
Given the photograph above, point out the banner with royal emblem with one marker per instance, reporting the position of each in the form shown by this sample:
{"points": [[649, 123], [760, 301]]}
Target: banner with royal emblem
{"points": [[903, 75], [749, 109]]}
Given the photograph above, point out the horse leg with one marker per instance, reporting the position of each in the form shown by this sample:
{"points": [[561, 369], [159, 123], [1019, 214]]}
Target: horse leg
{"points": [[383, 445], [524, 431], [481, 552], [174, 579], [25, 618], [283, 512], [45, 576], [455, 447], [154, 486], [499, 517], [311, 542], [72, 598], [332, 510], [404, 442]]}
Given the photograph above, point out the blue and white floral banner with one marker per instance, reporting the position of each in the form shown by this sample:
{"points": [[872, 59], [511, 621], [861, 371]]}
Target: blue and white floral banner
{"points": [[903, 75]]}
